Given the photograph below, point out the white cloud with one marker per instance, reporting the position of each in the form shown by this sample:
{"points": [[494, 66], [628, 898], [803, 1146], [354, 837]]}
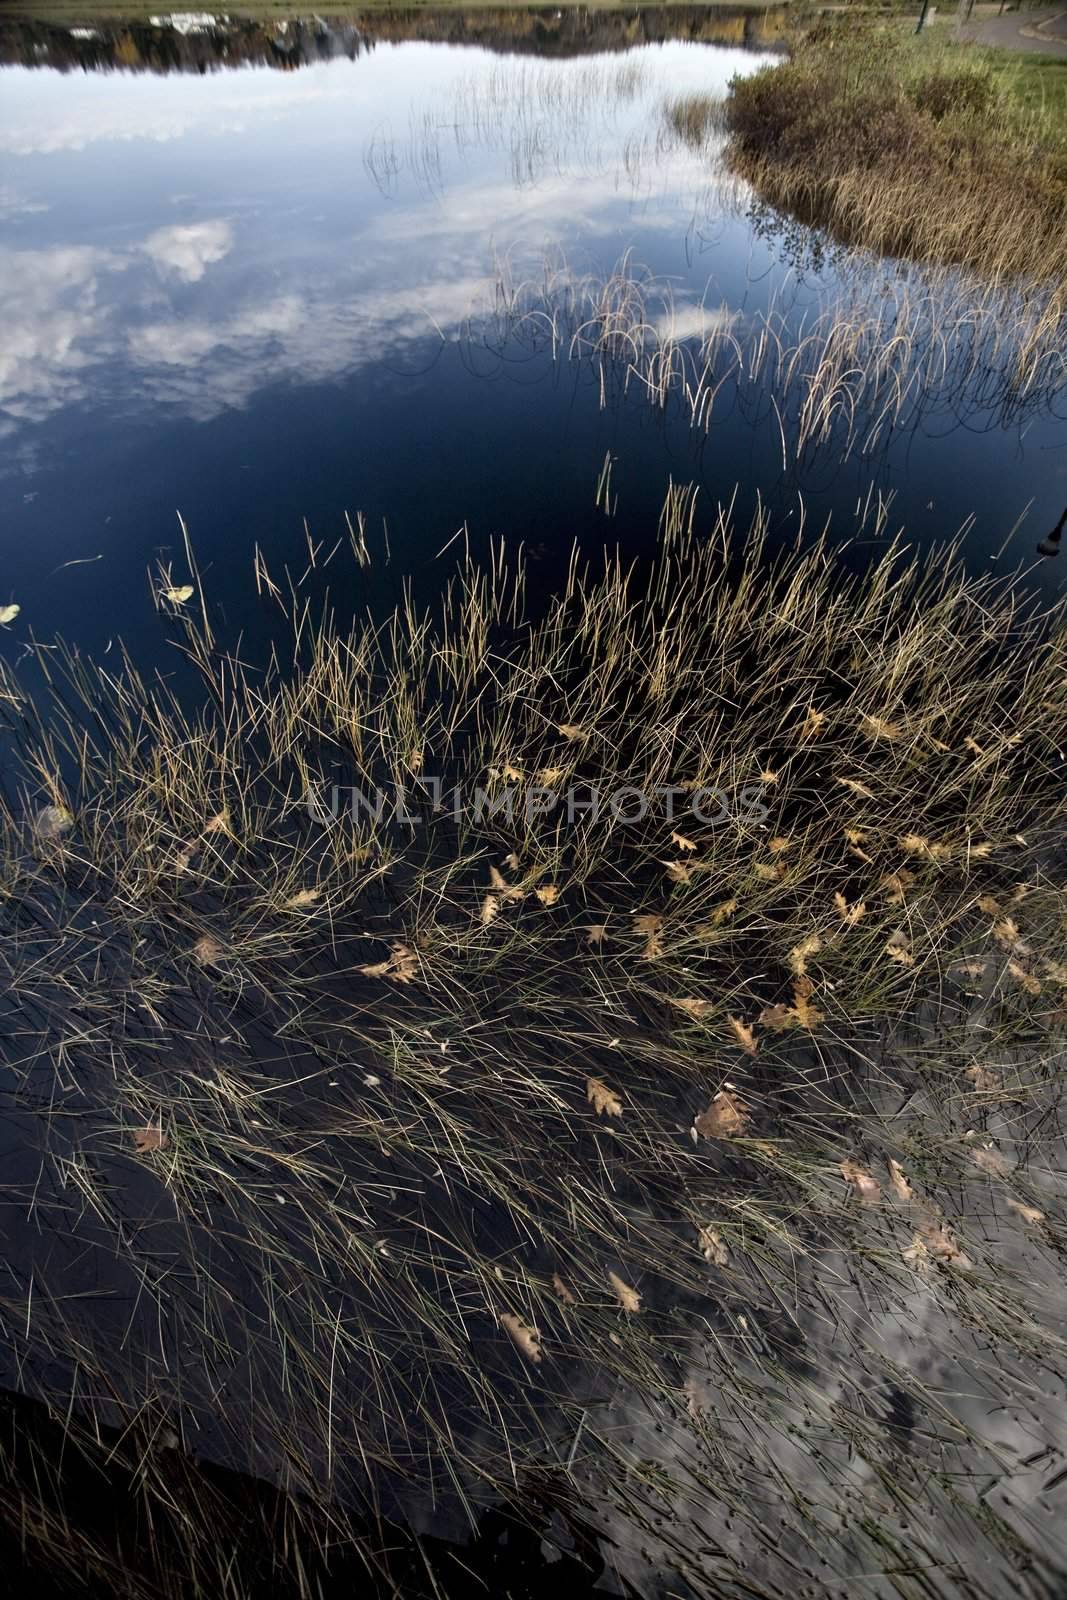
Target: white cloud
{"points": [[189, 249]]}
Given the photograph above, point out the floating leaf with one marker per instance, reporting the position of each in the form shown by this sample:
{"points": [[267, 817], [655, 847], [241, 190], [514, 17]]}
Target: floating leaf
{"points": [[768, 872], [208, 951], [178, 594], [879, 728], [506, 891], [679, 871], [628, 1298], [303, 898], [1028, 1213], [51, 821], [713, 1246], [682, 843], [691, 1007], [901, 1187], [602, 1099], [562, 1292], [219, 823], [989, 1160], [527, 1339], [401, 965], [779, 844], [650, 927], [863, 1181], [850, 914], [798, 956], [571, 730], [1006, 933], [726, 1118], [548, 894], [148, 1139], [489, 909], [769, 777], [896, 886], [744, 1035], [1024, 979], [989, 904], [897, 949], [8, 614], [856, 787], [594, 933], [814, 722]]}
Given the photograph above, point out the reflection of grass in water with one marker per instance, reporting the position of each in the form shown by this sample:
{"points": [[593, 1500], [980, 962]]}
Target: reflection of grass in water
{"points": [[877, 356], [435, 1099]]}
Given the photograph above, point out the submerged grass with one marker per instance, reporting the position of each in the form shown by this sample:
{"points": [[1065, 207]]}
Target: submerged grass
{"points": [[636, 1173]]}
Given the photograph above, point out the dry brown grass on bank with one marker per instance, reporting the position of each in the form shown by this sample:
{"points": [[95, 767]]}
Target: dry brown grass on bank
{"points": [[582, 1167], [907, 147]]}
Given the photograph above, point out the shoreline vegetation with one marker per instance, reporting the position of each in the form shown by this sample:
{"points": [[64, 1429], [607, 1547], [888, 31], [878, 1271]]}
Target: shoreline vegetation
{"points": [[910, 147], [686, 1191]]}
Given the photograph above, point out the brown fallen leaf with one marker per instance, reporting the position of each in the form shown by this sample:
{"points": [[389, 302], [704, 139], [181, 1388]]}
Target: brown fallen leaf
{"points": [[896, 886], [490, 908], [51, 821], [725, 1118], [769, 872], [744, 1035], [219, 823], [780, 843], [548, 893], [1024, 979], [991, 1161], [304, 897], [1028, 1213], [814, 722], [512, 861], [594, 933], [680, 841], [148, 1139], [769, 777], [779, 1017], [849, 914], [798, 956], [572, 730], [602, 1098], [208, 951], [989, 904], [678, 871], [879, 728], [897, 949], [807, 1015], [985, 1080], [562, 1292], [548, 777], [1006, 933], [628, 1298], [691, 1006], [856, 787], [500, 886], [650, 927], [863, 1181], [901, 1187], [401, 965], [527, 1339], [513, 774], [713, 1246], [722, 913], [942, 1245]]}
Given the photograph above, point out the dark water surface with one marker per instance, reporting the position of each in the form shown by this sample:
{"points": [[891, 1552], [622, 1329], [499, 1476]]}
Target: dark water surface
{"points": [[246, 271]]}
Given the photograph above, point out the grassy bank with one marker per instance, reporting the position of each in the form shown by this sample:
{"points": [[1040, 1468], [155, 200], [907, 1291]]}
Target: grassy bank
{"points": [[912, 147], [592, 1166]]}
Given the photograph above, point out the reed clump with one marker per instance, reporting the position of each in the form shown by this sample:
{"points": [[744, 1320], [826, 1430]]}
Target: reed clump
{"points": [[908, 148], [625, 1168]]}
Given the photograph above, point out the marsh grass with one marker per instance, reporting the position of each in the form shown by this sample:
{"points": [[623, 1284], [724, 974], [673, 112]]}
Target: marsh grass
{"points": [[626, 1204], [912, 148], [872, 358]]}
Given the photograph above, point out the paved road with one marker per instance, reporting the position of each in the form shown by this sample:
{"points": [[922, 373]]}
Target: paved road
{"points": [[1042, 31]]}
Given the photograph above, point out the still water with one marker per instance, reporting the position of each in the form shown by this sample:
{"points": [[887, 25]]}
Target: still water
{"points": [[265, 275]]}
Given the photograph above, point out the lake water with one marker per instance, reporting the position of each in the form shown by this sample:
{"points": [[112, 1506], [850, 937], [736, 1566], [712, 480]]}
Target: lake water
{"points": [[252, 274]]}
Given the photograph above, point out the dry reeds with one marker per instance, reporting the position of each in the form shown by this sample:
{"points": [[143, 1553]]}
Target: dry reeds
{"points": [[614, 1205]]}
